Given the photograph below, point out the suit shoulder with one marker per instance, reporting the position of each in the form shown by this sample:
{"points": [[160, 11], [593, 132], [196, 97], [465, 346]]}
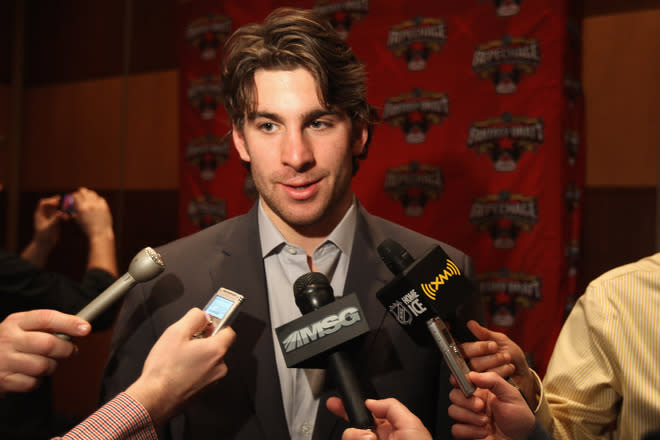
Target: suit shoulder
{"points": [[415, 242]]}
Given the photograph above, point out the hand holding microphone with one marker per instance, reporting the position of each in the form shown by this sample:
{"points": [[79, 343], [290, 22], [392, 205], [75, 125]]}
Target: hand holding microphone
{"points": [[314, 340], [414, 298], [313, 291], [145, 265]]}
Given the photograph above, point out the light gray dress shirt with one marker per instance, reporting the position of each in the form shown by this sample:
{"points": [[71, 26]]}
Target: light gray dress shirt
{"points": [[284, 263]]}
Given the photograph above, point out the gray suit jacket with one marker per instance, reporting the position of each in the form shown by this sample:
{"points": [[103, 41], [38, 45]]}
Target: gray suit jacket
{"points": [[247, 403]]}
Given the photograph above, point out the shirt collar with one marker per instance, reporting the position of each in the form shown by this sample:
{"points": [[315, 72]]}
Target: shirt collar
{"points": [[342, 235]]}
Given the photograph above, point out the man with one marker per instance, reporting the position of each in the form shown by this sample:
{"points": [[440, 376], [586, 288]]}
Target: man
{"points": [[177, 368], [296, 97], [25, 362], [601, 380]]}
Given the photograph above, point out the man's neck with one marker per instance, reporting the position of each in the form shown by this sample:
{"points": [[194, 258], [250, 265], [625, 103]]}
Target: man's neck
{"points": [[307, 237]]}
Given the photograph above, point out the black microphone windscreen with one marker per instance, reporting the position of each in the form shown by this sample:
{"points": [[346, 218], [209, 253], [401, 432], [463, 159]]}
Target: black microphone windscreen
{"points": [[395, 256], [312, 291]]}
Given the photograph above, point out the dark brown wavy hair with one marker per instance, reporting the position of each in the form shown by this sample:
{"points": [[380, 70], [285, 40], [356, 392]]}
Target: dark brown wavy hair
{"points": [[287, 39]]}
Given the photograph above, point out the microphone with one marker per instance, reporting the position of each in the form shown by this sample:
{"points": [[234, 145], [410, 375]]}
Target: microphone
{"points": [[414, 311], [312, 291], [144, 266]]}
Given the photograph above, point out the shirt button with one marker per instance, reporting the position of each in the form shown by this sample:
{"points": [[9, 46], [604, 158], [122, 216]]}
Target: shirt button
{"points": [[306, 428], [291, 250]]}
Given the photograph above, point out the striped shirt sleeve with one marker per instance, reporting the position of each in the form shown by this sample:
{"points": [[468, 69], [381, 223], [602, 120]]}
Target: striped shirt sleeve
{"points": [[122, 418]]}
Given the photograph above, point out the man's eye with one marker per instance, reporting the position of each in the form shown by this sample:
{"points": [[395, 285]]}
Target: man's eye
{"points": [[267, 126], [318, 124]]}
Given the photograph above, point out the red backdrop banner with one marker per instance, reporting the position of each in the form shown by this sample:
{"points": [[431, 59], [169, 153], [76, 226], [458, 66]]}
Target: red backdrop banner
{"points": [[479, 144]]}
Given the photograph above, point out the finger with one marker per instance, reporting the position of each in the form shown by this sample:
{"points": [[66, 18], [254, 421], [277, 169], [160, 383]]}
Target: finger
{"points": [[19, 383], [465, 416], [53, 321], [395, 412], [492, 361], [481, 332], [461, 431], [51, 201], [497, 385], [224, 338], [193, 321], [473, 403], [336, 406], [480, 348], [45, 344], [358, 434], [30, 364]]}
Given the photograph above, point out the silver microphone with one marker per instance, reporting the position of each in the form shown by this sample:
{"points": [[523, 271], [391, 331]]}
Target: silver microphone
{"points": [[144, 266]]}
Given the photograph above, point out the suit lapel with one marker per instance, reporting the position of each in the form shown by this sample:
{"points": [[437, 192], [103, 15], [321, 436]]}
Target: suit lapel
{"points": [[238, 266]]}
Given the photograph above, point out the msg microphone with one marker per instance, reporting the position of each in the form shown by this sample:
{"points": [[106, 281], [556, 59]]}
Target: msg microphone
{"points": [[312, 292], [413, 310], [145, 265]]}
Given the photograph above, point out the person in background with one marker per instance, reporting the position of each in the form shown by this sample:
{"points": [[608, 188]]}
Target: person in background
{"points": [[35, 303], [602, 378]]}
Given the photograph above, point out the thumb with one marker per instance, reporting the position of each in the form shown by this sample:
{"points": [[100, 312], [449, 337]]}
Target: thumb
{"points": [[482, 333], [192, 322], [496, 384]]}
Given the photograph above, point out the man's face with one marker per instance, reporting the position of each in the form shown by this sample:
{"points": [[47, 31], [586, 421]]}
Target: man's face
{"points": [[300, 153]]}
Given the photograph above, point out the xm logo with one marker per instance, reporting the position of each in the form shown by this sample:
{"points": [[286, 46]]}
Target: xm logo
{"points": [[326, 326], [431, 288]]}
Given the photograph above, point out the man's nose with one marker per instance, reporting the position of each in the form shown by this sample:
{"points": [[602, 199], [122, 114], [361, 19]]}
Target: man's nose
{"points": [[297, 151]]}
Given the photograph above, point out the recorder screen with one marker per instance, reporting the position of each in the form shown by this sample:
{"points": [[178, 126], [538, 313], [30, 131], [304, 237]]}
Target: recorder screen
{"points": [[219, 306]]}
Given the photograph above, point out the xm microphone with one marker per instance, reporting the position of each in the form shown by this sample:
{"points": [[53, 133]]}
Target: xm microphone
{"points": [[145, 265], [313, 294], [414, 310]]}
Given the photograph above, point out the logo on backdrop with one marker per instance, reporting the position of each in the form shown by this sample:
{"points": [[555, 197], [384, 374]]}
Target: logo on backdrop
{"points": [[207, 153], [417, 39], [506, 293], [572, 141], [507, 8], [572, 89], [207, 34], [206, 210], [413, 185], [505, 139], [342, 13], [505, 61], [416, 112], [504, 216], [204, 93], [572, 195], [573, 256]]}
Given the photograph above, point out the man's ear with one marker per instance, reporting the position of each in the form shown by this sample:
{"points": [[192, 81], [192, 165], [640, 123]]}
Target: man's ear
{"points": [[360, 141], [239, 143]]}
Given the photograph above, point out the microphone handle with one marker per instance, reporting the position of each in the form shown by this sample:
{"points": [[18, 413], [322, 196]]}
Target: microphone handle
{"points": [[343, 375], [102, 302]]}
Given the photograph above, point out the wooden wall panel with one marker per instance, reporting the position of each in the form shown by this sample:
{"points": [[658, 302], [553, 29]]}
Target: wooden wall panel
{"points": [[619, 228], [72, 136], [621, 78], [71, 40], [4, 133], [152, 144]]}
